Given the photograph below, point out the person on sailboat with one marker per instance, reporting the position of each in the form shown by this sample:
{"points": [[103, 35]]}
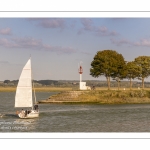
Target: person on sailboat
{"points": [[29, 111], [36, 107], [23, 113], [26, 112]]}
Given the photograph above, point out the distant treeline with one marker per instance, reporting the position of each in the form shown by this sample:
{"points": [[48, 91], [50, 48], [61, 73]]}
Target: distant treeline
{"points": [[75, 83], [36, 82]]}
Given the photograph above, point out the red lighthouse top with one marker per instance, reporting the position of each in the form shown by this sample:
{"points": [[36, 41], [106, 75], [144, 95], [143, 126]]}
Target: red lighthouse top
{"points": [[80, 70]]}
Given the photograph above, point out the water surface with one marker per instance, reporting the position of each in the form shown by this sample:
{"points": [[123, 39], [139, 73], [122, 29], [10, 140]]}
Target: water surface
{"points": [[75, 117]]}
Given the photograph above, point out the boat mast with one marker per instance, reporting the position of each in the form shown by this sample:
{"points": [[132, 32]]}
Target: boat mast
{"points": [[33, 87], [34, 93]]}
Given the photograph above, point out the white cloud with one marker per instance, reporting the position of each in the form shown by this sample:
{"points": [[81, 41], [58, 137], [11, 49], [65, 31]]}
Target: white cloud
{"points": [[5, 31], [120, 42], [49, 22], [36, 44], [89, 26], [142, 42]]}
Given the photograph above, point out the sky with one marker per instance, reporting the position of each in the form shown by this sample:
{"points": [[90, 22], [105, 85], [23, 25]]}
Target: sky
{"points": [[58, 45]]}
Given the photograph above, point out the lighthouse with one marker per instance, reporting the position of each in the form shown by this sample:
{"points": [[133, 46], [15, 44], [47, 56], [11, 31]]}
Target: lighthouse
{"points": [[80, 72], [82, 85]]}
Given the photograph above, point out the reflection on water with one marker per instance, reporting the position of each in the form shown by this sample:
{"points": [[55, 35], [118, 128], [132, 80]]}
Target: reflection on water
{"points": [[75, 118]]}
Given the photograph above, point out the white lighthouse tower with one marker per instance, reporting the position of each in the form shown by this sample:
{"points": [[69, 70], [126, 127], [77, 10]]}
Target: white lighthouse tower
{"points": [[82, 85], [80, 72]]}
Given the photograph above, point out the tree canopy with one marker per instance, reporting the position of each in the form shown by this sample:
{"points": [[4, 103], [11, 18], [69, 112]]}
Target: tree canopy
{"points": [[108, 63], [133, 71], [144, 63]]}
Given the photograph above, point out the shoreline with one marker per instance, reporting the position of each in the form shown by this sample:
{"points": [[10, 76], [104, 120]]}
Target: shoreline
{"points": [[99, 97], [98, 103], [66, 95], [60, 89]]}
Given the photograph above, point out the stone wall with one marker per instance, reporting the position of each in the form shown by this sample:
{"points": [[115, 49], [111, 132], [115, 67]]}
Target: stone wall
{"points": [[63, 96]]}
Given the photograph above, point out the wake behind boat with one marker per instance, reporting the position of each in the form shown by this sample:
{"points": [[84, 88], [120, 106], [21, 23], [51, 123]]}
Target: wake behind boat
{"points": [[23, 96]]}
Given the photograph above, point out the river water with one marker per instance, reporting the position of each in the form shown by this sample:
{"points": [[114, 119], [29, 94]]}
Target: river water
{"points": [[75, 117]]}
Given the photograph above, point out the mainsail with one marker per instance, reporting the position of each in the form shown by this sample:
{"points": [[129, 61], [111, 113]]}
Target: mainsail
{"points": [[23, 96]]}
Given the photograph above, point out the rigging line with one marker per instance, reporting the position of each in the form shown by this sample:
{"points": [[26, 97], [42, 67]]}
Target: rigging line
{"points": [[33, 87]]}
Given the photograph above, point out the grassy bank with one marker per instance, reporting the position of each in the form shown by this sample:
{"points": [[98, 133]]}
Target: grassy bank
{"points": [[101, 97], [116, 97]]}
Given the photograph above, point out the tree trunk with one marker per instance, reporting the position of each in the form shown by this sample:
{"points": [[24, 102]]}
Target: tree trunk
{"points": [[142, 83], [130, 84], [118, 84], [108, 82]]}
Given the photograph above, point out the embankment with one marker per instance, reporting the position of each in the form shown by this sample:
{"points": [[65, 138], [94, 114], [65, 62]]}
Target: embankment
{"points": [[101, 97]]}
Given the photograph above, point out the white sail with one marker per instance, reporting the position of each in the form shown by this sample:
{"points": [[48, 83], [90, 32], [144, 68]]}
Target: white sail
{"points": [[23, 96]]}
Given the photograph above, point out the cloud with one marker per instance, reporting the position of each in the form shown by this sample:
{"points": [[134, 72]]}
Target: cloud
{"points": [[113, 33], [102, 29], [143, 42], [27, 42], [88, 25], [6, 43], [35, 44], [121, 42], [49, 22], [52, 23], [59, 49], [5, 31]]}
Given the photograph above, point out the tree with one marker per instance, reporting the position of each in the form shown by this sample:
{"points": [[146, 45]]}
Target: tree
{"points": [[6, 81], [133, 71], [107, 63], [121, 71], [144, 63]]}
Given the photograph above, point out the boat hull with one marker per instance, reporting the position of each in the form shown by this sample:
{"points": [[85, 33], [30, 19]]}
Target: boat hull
{"points": [[32, 114]]}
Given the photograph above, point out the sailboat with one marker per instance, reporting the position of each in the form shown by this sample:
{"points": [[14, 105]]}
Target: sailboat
{"points": [[23, 96]]}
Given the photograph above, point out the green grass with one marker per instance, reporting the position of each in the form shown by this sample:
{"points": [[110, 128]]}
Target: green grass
{"points": [[116, 97], [103, 97]]}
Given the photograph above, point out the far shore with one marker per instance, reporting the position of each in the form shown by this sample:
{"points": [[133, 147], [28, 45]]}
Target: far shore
{"points": [[38, 89], [59, 89]]}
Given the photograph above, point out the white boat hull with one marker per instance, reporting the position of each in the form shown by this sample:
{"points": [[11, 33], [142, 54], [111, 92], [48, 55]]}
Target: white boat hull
{"points": [[32, 114]]}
